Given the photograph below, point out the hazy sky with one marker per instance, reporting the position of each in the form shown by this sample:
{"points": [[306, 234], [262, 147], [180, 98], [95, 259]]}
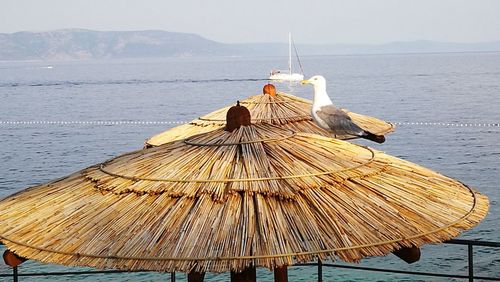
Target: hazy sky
{"points": [[310, 21]]}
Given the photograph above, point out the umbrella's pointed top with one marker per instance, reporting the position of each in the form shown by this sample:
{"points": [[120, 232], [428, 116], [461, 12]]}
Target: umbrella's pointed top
{"points": [[237, 116], [269, 89]]}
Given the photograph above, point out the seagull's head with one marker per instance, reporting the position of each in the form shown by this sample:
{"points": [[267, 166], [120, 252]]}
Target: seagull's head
{"points": [[316, 81], [320, 95]]}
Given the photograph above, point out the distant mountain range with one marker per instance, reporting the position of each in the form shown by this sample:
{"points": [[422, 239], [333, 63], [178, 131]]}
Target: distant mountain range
{"points": [[80, 44]]}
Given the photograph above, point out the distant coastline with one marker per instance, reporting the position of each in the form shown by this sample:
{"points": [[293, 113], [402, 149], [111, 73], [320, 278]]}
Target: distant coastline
{"points": [[81, 44]]}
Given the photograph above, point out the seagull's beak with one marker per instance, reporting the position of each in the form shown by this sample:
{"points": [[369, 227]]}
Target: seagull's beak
{"points": [[305, 81]]}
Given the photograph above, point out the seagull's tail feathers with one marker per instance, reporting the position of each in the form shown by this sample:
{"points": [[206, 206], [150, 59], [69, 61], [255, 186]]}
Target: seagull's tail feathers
{"points": [[374, 137]]}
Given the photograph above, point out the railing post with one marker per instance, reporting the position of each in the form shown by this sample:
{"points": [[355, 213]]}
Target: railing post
{"points": [[470, 256], [320, 270], [249, 274], [172, 276], [194, 276], [14, 273]]}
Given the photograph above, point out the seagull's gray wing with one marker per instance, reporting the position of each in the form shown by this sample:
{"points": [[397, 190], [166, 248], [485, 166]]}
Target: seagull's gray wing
{"points": [[338, 121]]}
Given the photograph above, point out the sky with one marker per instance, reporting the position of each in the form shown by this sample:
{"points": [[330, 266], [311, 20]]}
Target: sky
{"points": [[235, 21]]}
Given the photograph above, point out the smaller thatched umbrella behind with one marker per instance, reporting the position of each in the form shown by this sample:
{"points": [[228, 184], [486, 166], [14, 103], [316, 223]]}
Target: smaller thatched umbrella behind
{"points": [[287, 111]]}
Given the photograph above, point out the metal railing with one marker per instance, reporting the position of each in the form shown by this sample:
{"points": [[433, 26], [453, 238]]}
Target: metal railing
{"points": [[320, 265]]}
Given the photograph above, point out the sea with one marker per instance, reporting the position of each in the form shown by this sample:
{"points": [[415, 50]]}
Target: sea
{"points": [[59, 117]]}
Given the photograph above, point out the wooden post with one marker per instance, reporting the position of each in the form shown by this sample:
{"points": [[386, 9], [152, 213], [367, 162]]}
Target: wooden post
{"points": [[281, 274], [172, 276], [249, 274], [194, 276], [409, 255]]}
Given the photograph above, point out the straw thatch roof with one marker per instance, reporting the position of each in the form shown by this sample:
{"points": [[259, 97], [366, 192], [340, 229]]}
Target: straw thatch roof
{"points": [[285, 110], [221, 201]]}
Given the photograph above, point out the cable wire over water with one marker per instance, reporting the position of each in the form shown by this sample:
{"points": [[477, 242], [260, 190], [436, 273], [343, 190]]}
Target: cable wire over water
{"points": [[160, 122]]}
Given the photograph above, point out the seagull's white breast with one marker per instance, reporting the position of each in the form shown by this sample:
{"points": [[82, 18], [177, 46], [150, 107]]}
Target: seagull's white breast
{"points": [[320, 99], [318, 120]]}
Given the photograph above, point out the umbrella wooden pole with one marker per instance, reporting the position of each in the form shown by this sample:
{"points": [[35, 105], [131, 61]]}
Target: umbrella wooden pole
{"points": [[281, 274], [249, 274], [194, 276], [409, 255]]}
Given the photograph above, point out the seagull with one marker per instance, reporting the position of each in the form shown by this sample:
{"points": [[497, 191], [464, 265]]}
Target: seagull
{"points": [[331, 118]]}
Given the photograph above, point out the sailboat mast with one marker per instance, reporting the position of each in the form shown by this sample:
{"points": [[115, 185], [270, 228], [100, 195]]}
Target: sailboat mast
{"points": [[290, 52]]}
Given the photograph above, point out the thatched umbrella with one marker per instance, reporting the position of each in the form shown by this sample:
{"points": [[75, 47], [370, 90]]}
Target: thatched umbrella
{"points": [[285, 110], [230, 200]]}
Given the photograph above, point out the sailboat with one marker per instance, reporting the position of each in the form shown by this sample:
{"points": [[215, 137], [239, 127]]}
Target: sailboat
{"points": [[281, 75]]}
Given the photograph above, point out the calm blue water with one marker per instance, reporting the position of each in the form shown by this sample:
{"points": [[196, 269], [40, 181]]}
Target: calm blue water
{"points": [[455, 88]]}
